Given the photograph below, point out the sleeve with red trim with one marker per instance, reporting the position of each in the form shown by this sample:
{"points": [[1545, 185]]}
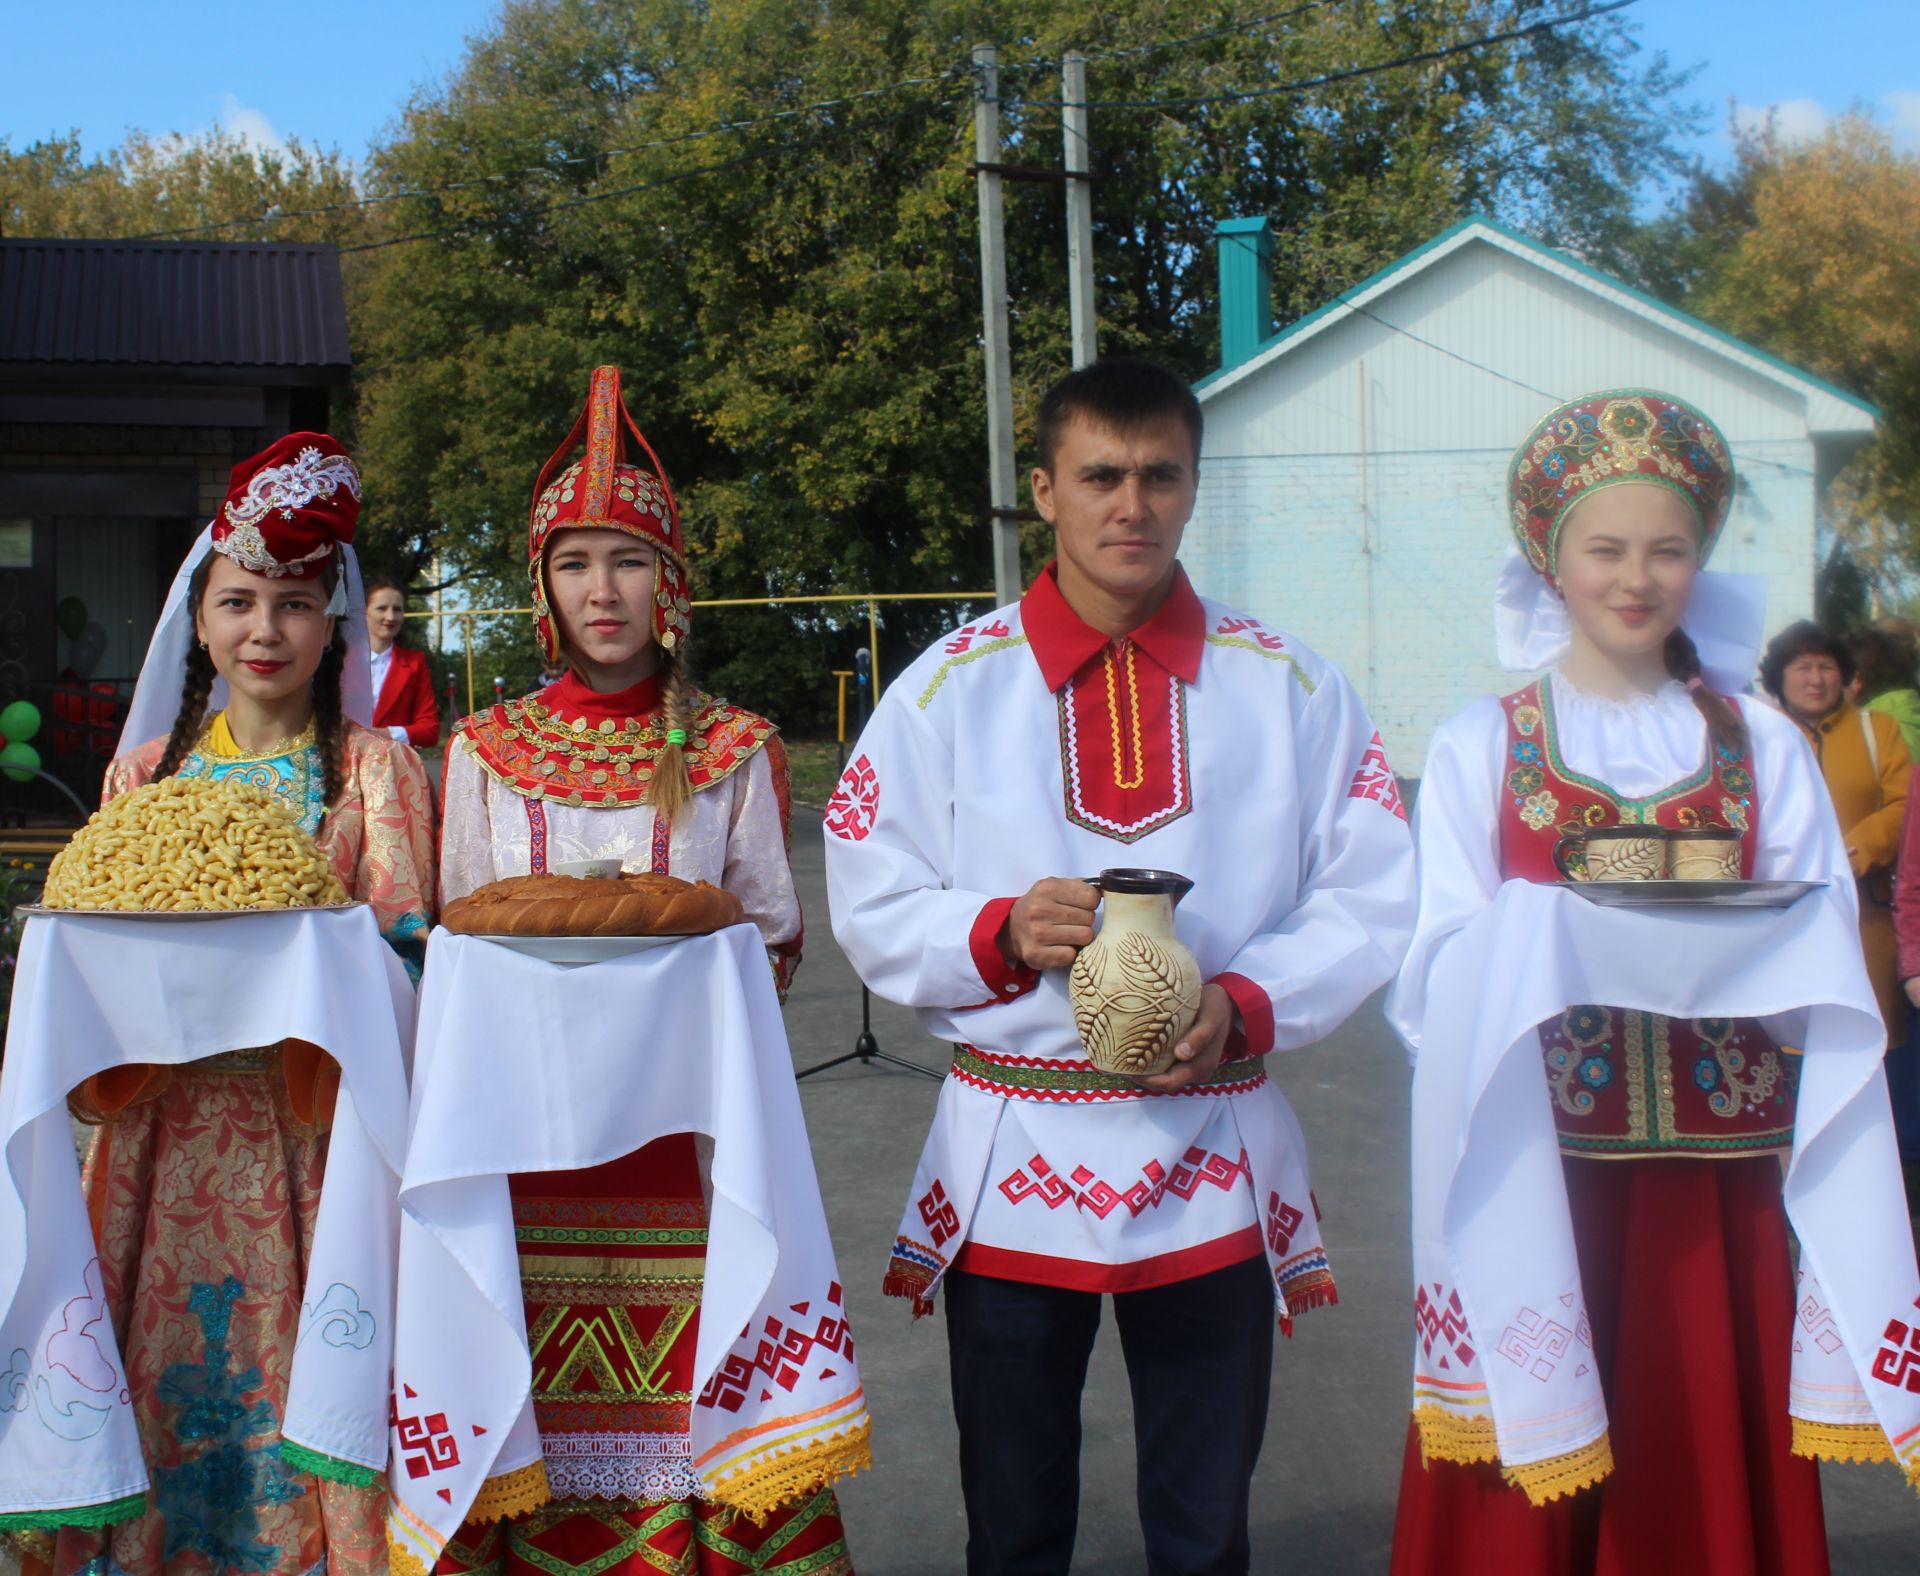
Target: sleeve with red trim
{"points": [[912, 936], [1297, 981]]}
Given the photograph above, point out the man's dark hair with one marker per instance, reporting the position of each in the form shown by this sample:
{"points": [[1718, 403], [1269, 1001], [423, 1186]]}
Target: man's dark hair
{"points": [[1796, 641], [1883, 661], [1120, 394]]}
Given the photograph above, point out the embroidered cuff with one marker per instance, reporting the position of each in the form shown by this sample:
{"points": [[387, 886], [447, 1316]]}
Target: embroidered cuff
{"points": [[1003, 980], [1252, 1035]]}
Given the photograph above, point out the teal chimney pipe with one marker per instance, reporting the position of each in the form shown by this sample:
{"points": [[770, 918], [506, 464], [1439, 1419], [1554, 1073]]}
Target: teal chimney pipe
{"points": [[1246, 287]]}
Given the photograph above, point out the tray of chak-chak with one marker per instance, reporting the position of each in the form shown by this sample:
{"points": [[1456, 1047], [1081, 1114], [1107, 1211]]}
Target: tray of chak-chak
{"points": [[590, 917], [190, 848], [1693, 894]]}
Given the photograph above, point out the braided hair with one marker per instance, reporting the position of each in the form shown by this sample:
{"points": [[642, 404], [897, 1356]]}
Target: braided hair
{"points": [[671, 788], [195, 690], [1724, 722]]}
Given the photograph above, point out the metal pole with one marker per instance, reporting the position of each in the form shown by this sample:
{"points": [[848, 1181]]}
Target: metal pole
{"points": [[873, 644], [466, 627], [1002, 486], [1073, 118]]}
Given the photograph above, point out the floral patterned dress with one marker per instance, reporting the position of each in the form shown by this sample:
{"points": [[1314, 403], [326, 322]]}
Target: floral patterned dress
{"points": [[203, 1182]]}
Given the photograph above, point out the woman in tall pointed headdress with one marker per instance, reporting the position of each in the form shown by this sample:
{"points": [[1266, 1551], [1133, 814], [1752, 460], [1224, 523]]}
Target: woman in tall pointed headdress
{"points": [[1615, 1368], [623, 757], [204, 1179]]}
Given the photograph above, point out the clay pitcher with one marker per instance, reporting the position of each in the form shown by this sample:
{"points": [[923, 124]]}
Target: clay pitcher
{"points": [[1136, 989]]}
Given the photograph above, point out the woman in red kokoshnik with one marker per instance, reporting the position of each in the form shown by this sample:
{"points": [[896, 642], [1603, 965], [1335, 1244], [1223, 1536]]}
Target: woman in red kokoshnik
{"points": [[623, 757], [203, 1180], [1614, 1369]]}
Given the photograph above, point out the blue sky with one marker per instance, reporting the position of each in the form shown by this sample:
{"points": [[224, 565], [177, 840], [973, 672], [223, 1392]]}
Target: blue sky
{"points": [[337, 74]]}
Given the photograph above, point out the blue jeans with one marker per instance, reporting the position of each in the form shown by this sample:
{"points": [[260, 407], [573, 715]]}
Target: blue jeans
{"points": [[1903, 1087]]}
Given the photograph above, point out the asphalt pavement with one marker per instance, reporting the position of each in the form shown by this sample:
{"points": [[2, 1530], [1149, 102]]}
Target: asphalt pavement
{"points": [[1324, 1492]]}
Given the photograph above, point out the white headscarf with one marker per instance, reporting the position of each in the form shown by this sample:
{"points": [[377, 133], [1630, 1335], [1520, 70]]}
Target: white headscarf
{"points": [[1727, 620], [156, 697]]}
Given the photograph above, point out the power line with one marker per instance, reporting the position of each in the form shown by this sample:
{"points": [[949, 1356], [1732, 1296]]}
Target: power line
{"points": [[552, 166], [1243, 95], [1128, 52]]}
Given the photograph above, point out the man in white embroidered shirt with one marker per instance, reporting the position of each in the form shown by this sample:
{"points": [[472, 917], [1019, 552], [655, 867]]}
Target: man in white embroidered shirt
{"points": [[1114, 718]]}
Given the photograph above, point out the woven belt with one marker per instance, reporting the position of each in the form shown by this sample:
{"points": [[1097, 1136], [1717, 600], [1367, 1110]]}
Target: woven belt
{"points": [[1075, 1080]]}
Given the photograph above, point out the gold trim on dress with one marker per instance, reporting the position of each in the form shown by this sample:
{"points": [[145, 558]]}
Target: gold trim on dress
{"points": [[217, 743]]}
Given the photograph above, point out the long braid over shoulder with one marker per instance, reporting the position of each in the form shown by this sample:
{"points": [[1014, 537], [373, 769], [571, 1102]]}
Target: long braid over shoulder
{"points": [[195, 689], [1723, 718], [672, 789], [329, 722]]}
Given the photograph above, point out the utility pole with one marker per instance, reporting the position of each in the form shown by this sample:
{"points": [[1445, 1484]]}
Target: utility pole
{"points": [[1002, 485], [1073, 95]]}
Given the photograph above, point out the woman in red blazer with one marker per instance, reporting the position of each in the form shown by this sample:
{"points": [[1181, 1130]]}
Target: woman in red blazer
{"points": [[403, 701]]}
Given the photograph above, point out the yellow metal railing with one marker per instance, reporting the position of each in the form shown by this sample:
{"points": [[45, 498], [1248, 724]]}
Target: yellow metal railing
{"points": [[466, 616]]}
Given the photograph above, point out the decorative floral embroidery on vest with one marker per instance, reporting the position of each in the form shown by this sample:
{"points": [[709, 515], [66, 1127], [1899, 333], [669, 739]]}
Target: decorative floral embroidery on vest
{"points": [[1634, 1083]]}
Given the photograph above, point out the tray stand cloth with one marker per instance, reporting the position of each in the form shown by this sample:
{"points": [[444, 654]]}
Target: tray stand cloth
{"points": [[524, 1066], [93, 992], [1500, 1319]]}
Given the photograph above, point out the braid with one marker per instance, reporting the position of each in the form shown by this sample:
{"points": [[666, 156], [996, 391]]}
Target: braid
{"points": [[197, 687], [328, 726], [671, 788], [1723, 718], [194, 694]]}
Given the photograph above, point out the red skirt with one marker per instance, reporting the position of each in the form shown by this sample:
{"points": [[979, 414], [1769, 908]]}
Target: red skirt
{"points": [[1690, 1293], [611, 1260]]}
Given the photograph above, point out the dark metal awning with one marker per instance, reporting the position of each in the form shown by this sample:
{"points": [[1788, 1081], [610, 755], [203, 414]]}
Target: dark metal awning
{"points": [[260, 313]]}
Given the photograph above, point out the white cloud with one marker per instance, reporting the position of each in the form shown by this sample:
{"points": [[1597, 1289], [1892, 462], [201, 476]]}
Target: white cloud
{"points": [[249, 125], [1903, 106], [1795, 121]]}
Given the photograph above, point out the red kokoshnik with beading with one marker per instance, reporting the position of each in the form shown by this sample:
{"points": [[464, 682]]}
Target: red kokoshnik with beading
{"points": [[602, 490]]}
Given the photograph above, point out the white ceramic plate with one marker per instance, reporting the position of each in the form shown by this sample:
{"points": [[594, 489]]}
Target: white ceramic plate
{"points": [[1693, 894], [182, 913], [581, 949]]}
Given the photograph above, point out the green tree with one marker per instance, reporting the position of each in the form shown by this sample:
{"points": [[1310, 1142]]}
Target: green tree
{"points": [[1812, 251], [795, 303], [213, 187]]}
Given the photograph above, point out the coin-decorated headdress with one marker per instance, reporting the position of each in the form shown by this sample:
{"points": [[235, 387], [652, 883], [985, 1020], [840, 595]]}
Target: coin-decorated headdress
{"points": [[603, 489]]}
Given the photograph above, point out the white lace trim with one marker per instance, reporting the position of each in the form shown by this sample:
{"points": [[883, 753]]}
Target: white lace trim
{"points": [[620, 1466]]}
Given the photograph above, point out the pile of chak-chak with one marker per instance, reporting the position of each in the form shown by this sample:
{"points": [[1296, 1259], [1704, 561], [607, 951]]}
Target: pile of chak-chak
{"points": [[189, 843]]}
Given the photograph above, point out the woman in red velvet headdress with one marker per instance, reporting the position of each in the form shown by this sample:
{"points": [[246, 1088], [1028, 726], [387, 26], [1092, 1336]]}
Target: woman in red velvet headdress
{"points": [[624, 756]]}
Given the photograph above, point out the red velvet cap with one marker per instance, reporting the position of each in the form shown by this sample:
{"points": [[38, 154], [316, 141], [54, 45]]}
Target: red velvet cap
{"points": [[288, 506], [601, 490]]}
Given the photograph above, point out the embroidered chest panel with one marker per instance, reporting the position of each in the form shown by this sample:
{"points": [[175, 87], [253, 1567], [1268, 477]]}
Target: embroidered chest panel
{"points": [[297, 779], [540, 754], [1123, 745], [1634, 1084]]}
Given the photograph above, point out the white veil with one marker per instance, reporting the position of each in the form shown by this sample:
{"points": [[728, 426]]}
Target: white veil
{"points": [[1727, 619], [156, 697]]}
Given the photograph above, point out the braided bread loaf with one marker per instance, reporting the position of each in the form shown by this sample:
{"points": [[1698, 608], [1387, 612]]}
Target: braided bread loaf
{"points": [[632, 905]]}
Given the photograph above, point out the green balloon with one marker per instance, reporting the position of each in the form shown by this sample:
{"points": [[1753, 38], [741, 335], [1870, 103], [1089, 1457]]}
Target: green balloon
{"points": [[70, 616], [19, 722], [19, 755]]}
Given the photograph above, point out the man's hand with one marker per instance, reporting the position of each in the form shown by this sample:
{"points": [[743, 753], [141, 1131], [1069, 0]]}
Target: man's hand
{"points": [[1203, 1046], [1912, 988], [1047, 927]]}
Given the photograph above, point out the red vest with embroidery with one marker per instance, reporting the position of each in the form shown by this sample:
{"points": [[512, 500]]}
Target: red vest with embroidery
{"points": [[1629, 1085]]}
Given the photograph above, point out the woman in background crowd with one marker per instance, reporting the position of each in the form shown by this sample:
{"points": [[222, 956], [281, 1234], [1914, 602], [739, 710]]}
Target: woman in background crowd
{"points": [[1866, 765], [1884, 680], [403, 704]]}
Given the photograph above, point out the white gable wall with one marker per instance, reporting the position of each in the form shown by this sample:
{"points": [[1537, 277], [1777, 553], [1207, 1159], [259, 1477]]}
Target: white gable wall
{"points": [[1280, 529]]}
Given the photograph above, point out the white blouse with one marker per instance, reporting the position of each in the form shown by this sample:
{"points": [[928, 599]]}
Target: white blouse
{"points": [[732, 836]]}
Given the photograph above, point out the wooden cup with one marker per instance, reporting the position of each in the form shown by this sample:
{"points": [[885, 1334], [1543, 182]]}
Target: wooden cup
{"points": [[1703, 853], [1615, 853]]}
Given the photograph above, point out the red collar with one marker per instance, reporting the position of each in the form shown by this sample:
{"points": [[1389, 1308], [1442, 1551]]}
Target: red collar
{"points": [[571, 698], [1063, 643]]}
